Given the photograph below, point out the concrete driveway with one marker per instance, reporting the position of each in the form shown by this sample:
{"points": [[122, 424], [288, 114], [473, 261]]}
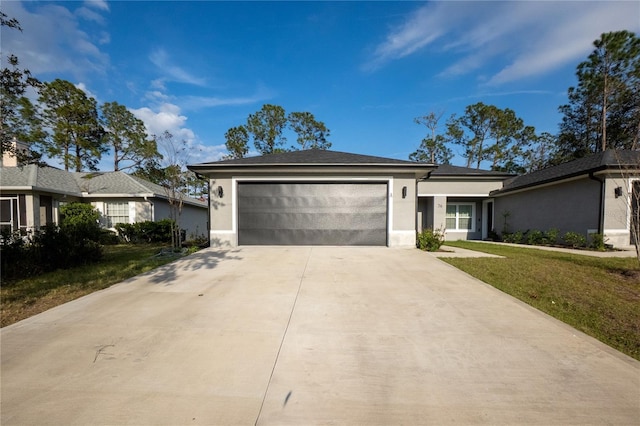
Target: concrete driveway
{"points": [[309, 335]]}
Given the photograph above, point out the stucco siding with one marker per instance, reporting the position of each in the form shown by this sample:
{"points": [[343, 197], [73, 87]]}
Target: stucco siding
{"points": [[160, 209], [194, 220], [403, 226], [143, 211], [616, 215], [222, 207], [467, 186], [569, 206]]}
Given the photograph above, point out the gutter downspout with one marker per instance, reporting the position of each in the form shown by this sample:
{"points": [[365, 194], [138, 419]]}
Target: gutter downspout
{"points": [[146, 198], [601, 209]]}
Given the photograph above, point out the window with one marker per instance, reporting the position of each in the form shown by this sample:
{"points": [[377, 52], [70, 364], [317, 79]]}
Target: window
{"points": [[459, 217], [116, 212], [9, 218]]}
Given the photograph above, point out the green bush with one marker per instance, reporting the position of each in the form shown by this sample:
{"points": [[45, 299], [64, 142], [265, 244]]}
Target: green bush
{"points": [[551, 236], [574, 239], [513, 237], [49, 248], [108, 237], [145, 232], [535, 237], [81, 221], [430, 239], [597, 242]]}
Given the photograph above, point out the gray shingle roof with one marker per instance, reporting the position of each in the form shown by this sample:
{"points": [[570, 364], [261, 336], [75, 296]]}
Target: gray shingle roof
{"points": [[92, 184], [309, 157], [449, 170], [115, 183], [609, 159], [32, 176]]}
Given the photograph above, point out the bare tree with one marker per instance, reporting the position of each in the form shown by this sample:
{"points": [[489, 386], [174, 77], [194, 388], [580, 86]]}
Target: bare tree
{"points": [[175, 156]]}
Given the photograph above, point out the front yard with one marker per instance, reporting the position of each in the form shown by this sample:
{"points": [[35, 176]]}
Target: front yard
{"points": [[599, 296], [28, 297]]}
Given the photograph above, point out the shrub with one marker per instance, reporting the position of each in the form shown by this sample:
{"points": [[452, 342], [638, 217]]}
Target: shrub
{"points": [[514, 238], [145, 232], [597, 242], [494, 236], [81, 221], [49, 248], [574, 239], [430, 239], [551, 236], [108, 237], [535, 237]]}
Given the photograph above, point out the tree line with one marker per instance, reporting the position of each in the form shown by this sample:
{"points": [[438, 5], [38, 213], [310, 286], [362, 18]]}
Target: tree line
{"points": [[603, 111]]}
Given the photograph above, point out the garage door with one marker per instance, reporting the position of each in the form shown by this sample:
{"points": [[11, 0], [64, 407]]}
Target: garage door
{"points": [[303, 213]]}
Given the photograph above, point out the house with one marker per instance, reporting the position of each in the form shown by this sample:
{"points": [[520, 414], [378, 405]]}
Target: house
{"points": [[313, 197], [317, 197], [594, 194], [31, 196]]}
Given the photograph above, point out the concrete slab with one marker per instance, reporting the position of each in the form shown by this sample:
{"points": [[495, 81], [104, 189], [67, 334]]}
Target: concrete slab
{"points": [[309, 335]]}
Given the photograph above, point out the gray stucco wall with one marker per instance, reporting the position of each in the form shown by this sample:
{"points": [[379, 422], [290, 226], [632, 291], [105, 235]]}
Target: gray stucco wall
{"points": [[617, 212], [194, 220], [468, 186], [402, 230], [569, 206]]}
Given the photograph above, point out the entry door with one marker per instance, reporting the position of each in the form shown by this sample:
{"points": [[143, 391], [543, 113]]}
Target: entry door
{"points": [[312, 213]]}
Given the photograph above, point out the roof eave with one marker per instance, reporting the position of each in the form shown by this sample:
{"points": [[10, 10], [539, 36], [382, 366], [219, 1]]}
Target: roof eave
{"points": [[309, 167], [547, 182]]}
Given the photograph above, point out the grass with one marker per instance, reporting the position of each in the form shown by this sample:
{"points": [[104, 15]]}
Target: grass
{"points": [[599, 296], [24, 298]]}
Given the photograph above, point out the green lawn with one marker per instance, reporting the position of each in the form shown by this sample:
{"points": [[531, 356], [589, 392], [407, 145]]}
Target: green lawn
{"points": [[24, 298], [599, 296]]}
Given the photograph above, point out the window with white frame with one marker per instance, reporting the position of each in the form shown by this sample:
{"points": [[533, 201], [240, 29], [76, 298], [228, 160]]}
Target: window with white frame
{"points": [[116, 212], [459, 217]]}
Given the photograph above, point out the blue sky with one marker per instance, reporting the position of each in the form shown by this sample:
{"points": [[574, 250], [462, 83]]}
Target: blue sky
{"points": [[366, 69]]}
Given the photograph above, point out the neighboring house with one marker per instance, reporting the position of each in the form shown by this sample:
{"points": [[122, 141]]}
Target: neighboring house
{"points": [[31, 196], [317, 197], [589, 195]]}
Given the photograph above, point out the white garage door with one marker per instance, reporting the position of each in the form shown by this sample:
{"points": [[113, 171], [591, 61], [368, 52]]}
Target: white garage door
{"points": [[312, 213]]}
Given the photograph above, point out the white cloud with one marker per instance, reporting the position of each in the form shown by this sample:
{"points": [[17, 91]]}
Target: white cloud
{"points": [[521, 39], [165, 117], [197, 102], [160, 58], [53, 42], [204, 153], [88, 92], [97, 4], [168, 117], [90, 15]]}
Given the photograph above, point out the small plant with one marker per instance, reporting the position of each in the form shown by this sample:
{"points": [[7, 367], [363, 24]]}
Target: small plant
{"points": [[535, 237], [551, 236], [505, 227], [597, 242], [430, 239], [514, 238], [493, 236], [574, 239]]}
